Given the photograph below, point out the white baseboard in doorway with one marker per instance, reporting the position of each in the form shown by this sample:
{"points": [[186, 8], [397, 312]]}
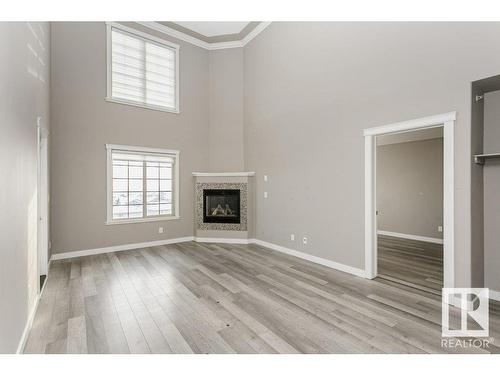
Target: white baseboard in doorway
{"points": [[312, 258], [411, 237], [111, 249]]}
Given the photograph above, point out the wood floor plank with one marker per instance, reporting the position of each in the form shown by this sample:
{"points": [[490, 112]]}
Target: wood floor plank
{"points": [[227, 298]]}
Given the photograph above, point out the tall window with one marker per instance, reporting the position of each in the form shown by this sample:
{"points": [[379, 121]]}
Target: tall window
{"points": [[142, 69], [142, 184]]}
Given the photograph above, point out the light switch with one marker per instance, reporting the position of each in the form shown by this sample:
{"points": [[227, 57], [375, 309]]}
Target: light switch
{"points": [[265, 194], [265, 178]]}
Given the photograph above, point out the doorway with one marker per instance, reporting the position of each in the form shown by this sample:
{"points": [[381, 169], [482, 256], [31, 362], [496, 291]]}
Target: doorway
{"points": [[446, 121], [43, 204], [409, 198]]}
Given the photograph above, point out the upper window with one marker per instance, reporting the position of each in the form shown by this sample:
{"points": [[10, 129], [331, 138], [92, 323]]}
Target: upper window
{"points": [[142, 70], [142, 184]]}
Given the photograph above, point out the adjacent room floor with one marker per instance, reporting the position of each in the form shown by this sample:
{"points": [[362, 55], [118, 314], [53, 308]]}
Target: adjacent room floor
{"points": [[413, 263], [221, 298]]}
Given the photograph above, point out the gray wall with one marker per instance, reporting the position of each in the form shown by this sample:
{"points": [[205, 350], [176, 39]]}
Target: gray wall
{"points": [[24, 95], [491, 191], [410, 187], [311, 89], [226, 110], [83, 122]]}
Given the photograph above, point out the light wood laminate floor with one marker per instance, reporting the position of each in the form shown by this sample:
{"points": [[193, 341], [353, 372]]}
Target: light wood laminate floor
{"points": [[221, 298], [413, 263]]}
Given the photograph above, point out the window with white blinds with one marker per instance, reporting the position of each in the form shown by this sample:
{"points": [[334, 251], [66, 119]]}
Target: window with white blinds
{"points": [[142, 184], [142, 69]]}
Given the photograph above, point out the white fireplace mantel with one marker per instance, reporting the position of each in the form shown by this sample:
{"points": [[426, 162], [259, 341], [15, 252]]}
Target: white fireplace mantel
{"points": [[223, 174]]}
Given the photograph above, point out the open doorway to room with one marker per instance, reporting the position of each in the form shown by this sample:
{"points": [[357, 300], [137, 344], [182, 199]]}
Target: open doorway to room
{"points": [[446, 121], [409, 198]]}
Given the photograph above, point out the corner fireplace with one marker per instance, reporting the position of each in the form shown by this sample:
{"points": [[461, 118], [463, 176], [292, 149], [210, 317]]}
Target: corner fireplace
{"points": [[221, 206]]}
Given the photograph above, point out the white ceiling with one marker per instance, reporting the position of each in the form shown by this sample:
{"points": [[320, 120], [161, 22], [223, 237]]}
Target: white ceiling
{"points": [[214, 28], [417, 135]]}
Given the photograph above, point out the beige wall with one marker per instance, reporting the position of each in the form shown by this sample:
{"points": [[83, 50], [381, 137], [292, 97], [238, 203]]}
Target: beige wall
{"points": [[491, 172], [226, 110], [24, 95], [410, 188], [311, 89], [83, 122]]}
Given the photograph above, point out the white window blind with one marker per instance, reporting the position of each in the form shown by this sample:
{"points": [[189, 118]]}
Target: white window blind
{"points": [[142, 71], [142, 184]]}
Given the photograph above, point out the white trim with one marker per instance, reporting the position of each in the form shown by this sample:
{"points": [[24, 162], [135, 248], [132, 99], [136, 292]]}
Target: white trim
{"points": [[143, 35], [449, 204], [447, 120], [201, 43], [225, 45], [410, 125], [252, 34], [150, 38], [244, 241], [494, 295], [31, 317], [312, 258], [140, 105], [223, 174], [42, 199], [411, 236], [141, 149], [175, 33], [143, 220], [370, 207], [111, 249], [325, 262], [27, 327], [109, 183]]}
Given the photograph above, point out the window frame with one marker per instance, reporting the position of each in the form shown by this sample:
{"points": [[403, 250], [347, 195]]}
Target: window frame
{"points": [[109, 184], [149, 38]]}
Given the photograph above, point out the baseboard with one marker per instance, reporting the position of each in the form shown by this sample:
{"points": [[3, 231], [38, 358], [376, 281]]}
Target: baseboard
{"points": [[111, 249], [312, 258], [27, 327], [411, 236], [325, 262], [494, 295], [244, 241], [31, 317]]}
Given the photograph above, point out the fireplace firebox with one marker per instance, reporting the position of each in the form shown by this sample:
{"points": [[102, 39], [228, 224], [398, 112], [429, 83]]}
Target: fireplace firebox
{"points": [[221, 206]]}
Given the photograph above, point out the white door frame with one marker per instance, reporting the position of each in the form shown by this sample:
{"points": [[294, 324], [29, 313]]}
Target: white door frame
{"points": [[42, 201], [447, 121]]}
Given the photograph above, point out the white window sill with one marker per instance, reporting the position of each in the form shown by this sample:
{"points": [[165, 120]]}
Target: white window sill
{"points": [[142, 220], [145, 106]]}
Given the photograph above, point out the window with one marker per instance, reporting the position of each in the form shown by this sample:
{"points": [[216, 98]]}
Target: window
{"points": [[142, 70], [143, 184]]}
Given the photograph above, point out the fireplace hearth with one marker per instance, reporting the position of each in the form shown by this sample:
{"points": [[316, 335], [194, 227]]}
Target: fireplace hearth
{"points": [[221, 206]]}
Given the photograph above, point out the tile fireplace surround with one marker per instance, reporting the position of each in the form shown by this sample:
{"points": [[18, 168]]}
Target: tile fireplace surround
{"points": [[242, 181]]}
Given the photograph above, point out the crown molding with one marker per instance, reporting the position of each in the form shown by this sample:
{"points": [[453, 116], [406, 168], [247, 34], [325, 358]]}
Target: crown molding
{"points": [[201, 43]]}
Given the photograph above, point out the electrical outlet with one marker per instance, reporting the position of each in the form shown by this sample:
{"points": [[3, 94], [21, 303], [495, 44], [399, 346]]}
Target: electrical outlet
{"points": [[292, 237], [160, 230], [304, 240], [265, 194], [440, 228], [265, 178]]}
